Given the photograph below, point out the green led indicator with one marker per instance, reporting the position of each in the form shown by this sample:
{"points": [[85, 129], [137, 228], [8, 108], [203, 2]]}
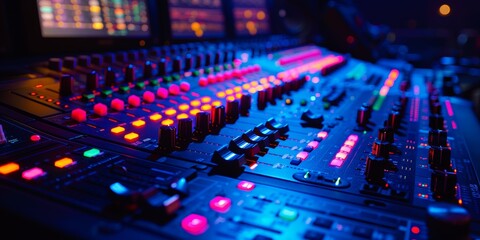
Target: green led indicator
{"points": [[91, 153]]}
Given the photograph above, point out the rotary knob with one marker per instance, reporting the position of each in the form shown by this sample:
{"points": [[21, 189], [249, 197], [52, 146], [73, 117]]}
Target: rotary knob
{"points": [[440, 158], [375, 169], [444, 185], [245, 104], [66, 85], [92, 81], [435, 121], [386, 134], [167, 137], [437, 137], [185, 130]]}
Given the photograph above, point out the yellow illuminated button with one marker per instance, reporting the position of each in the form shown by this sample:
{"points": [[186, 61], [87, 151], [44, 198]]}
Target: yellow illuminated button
{"points": [[170, 112], [182, 116], [216, 103], [206, 99], [64, 162], [9, 168], [221, 94], [246, 86], [131, 137], [237, 89], [195, 103], [238, 95], [194, 112], [183, 107], [230, 98], [206, 107], [138, 123], [229, 91], [155, 117], [117, 130], [167, 122]]}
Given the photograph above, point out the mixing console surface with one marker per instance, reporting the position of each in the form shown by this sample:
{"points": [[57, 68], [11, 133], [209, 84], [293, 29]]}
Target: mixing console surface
{"points": [[237, 141]]}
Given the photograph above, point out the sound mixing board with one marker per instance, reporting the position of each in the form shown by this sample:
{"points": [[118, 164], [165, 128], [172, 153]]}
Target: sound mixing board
{"points": [[260, 138]]}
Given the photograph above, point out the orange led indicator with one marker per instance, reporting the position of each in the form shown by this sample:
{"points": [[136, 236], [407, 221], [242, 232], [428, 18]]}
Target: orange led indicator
{"points": [[117, 130], [182, 116], [9, 168], [183, 107], [64, 162], [167, 122], [138, 123], [195, 103], [170, 112], [131, 137], [155, 117]]}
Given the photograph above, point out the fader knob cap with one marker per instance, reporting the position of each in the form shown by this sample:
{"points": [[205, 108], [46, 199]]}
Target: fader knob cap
{"points": [[443, 185], [381, 149], [167, 137], [92, 81], [185, 129], [130, 74], [386, 134], [55, 64], [110, 78], [66, 85], [448, 221], [245, 104], [374, 169], [232, 111], [439, 158], [261, 99], [218, 117], [435, 121], [437, 137]]}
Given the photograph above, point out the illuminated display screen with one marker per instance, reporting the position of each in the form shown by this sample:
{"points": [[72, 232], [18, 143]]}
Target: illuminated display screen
{"points": [[196, 18], [251, 17], [93, 18]]}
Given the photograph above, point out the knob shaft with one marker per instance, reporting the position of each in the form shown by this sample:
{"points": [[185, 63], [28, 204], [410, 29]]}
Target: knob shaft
{"points": [[92, 81], [130, 74], [185, 130], [232, 111], [110, 77], [218, 118], [245, 104]]}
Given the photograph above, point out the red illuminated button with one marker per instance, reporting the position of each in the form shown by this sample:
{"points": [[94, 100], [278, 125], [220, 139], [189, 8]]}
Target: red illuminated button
{"points": [[79, 115], [302, 155], [100, 109], [148, 97], [246, 186], [32, 173], [174, 89], [35, 138], [313, 144], [237, 73], [228, 75], [117, 105], [211, 79], [134, 101], [219, 77], [203, 82], [220, 204], [415, 230], [195, 224], [185, 86], [162, 93]]}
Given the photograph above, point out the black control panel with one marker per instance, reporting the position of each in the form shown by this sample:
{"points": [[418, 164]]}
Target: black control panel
{"points": [[269, 138]]}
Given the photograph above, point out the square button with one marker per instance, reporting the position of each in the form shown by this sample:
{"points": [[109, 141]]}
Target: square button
{"points": [[288, 214], [220, 204], [195, 224]]}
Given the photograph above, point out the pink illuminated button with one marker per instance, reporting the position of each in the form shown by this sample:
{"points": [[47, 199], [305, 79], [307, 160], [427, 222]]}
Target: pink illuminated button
{"points": [[302, 155], [162, 93], [100, 109], [246, 186], [322, 134], [79, 115], [117, 105], [195, 224], [349, 143], [336, 163], [32, 173], [220, 204], [185, 86], [313, 144], [211, 78], [134, 101], [237, 73], [341, 156], [345, 149], [353, 137], [203, 82], [148, 97], [228, 75], [174, 89]]}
